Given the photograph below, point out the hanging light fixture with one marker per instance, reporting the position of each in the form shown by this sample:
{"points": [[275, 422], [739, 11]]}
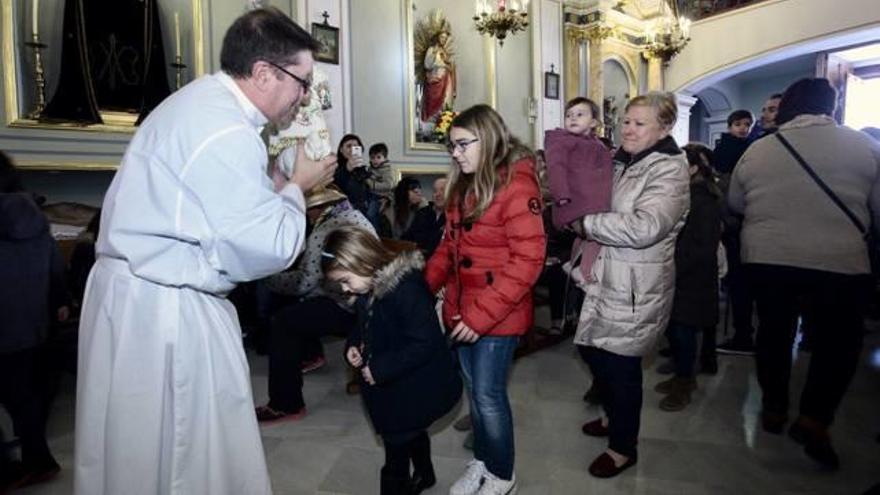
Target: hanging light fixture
{"points": [[498, 18], [668, 34]]}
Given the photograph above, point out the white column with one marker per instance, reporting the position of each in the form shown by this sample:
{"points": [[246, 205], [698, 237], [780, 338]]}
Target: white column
{"points": [[681, 131]]}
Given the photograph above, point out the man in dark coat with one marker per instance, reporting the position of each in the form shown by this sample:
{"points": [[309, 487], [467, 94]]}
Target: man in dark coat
{"points": [[427, 226]]}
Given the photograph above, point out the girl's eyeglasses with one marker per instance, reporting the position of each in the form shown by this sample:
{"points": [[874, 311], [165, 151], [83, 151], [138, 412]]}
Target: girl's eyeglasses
{"points": [[460, 145]]}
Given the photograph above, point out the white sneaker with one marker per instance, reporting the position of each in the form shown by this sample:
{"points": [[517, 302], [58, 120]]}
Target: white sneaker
{"points": [[470, 481], [493, 485]]}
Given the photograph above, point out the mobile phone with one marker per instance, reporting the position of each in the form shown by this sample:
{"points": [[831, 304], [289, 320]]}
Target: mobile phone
{"points": [[357, 151]]}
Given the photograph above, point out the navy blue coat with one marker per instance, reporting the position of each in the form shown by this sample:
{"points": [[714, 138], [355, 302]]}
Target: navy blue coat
{"points": [[417, 381], [31, 274]]}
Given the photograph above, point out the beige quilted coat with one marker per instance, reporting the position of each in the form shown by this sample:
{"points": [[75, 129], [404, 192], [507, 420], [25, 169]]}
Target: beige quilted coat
{"points": [[628, 304]]}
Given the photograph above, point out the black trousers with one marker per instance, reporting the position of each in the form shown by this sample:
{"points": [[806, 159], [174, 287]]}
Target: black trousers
{"points": [[293, 330], [619, 382], [837, 303], [23, 393], [403, 448], [740, 297]]}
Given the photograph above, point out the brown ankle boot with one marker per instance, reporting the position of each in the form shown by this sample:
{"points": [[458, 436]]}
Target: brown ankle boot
{"points": [[679, 395]]}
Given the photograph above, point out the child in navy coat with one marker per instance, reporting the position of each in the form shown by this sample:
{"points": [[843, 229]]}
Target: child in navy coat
{"points": [[409, 379]]}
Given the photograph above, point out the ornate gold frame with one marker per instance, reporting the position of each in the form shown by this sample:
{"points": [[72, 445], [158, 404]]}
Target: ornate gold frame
{"points": [[13, 117], [398, 171], [488, 46]]}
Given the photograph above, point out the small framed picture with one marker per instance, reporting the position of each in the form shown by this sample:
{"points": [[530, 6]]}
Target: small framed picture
{"points": [[551, 85], [328, 36]]}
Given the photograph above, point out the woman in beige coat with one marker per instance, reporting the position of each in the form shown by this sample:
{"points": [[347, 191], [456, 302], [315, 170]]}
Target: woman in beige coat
{"points": [[629, 297]]}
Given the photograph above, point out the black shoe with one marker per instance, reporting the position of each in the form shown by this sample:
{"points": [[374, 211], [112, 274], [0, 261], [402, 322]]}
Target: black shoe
{"points": [[773, 422], [393, 485], [817, 445], [709, 367], [592, 396], [423, 476], [421, 482], [735, 348]]}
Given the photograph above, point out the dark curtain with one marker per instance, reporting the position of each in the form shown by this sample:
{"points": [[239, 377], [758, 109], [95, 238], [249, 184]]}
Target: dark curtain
{"points": [[75, 97], [122, 48]]}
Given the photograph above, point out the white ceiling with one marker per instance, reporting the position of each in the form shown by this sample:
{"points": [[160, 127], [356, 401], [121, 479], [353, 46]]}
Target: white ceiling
{"points": [[800, 64]]}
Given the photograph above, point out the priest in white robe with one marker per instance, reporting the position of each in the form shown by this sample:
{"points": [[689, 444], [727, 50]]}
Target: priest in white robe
{"points": [[164, 401]]}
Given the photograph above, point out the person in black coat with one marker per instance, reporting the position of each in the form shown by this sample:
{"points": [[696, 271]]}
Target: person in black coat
{"points": [[427, 226], [409, 379], [32, 295], [695, 304]]}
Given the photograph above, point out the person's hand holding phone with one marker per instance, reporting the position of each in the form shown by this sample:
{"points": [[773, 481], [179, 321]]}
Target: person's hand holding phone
{"points": [[357, 158]]}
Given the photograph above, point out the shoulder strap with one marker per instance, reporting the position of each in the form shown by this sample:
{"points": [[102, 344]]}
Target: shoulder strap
{"points": [[822, 185]]}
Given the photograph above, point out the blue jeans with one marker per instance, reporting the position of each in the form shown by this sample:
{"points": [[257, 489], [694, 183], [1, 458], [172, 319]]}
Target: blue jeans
{"points": [[485, 365]]}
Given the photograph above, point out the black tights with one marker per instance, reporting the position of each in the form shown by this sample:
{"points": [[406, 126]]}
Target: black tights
{"points": [[401, 448]]}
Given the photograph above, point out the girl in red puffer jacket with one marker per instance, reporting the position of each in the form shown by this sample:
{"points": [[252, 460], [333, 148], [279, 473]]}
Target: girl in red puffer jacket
{"points": [[491, 254]]}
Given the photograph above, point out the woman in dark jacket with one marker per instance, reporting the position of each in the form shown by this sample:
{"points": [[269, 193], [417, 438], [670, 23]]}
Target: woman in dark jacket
{"points": [[695, 304], [409, 379], [352, 171]]}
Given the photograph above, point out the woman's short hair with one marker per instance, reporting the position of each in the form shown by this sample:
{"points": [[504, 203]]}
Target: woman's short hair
{"points": [[663, 102], [810, 95], [263, 34]]}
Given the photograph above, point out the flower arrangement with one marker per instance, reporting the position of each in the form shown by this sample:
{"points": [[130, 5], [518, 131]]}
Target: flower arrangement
{"points": [[443, 123]]}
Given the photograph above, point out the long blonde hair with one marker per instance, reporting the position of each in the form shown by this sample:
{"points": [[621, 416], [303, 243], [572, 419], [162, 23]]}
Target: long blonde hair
{"points": [[355, 250], [498, 150]]}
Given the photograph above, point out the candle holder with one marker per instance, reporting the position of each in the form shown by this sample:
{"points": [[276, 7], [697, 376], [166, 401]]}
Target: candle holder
{"points": [[178, 69], [39, 76]]}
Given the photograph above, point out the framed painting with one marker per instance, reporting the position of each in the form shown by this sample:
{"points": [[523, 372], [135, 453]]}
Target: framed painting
{"points": [[551, 85], [328, 36]]}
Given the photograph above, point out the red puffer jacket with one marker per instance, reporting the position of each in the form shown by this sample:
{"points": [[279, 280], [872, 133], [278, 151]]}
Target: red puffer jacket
{"points": [[490, 265]]}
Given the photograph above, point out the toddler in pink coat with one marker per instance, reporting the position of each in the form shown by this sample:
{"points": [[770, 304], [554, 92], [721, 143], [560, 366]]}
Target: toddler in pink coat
{"points": [[580, 174]]}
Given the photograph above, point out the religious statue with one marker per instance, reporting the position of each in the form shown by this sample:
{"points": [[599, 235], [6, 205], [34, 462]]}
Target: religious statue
{"points": [[609, 116], [307, 128], [435, 68]]}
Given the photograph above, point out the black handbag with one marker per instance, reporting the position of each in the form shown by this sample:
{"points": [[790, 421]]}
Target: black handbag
{"points": [[822, 185]]}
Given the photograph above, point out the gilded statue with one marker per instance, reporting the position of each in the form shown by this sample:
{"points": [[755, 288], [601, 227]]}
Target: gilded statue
{"points": [[435, 65]]}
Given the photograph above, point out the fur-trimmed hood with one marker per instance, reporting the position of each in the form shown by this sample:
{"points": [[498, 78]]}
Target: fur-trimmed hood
{"points": [[389, 277]]}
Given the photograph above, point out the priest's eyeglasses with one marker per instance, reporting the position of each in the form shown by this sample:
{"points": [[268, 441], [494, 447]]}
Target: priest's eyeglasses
{"points": [[305, 83], [460, 145]]}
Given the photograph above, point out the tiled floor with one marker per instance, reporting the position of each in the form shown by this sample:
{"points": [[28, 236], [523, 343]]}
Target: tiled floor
{"points": [[715, 446]]}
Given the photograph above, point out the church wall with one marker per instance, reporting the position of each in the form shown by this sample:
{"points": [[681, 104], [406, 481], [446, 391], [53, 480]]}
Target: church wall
{"points": [[755, 34]]}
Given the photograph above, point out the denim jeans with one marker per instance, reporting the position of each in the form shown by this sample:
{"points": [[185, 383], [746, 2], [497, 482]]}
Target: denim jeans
{"points": [[485, 365]]}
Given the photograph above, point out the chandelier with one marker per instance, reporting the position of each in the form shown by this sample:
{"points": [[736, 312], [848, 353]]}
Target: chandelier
{"points": [[668, 35], [502, 18]]}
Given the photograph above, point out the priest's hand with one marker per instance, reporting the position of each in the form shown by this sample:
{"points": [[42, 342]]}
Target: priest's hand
{"points": [[308, 174]]}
